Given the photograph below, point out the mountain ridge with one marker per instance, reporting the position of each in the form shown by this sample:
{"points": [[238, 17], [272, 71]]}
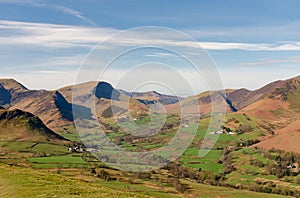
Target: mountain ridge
{"points": [[55, 107]]}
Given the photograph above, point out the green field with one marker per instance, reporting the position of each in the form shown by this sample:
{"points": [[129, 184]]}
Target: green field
{"points": [[209, 163], [71, 160]]}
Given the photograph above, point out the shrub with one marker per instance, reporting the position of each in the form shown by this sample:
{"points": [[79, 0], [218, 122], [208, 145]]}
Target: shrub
{"points": [[104, 175], [142, 175]]}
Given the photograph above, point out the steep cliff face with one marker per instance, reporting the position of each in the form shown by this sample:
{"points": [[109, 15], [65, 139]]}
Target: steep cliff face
{"points": [[105, 90], [4, 96]]}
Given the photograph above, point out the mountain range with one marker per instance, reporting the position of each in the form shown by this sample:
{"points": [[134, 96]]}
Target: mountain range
{"points": [[276, 106]]}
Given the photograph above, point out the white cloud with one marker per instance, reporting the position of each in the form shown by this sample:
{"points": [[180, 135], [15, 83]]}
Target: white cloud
{"points": [[43, 34], [67, 36], [159, 54]]}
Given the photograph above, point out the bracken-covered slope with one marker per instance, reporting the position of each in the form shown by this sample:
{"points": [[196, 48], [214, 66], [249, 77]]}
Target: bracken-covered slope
{"points": [[281, 107]]}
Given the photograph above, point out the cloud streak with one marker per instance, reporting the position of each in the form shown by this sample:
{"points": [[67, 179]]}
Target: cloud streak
{"points": [[67, 36], [275, 32], [291, 60], [64, 9], [159, 54]]}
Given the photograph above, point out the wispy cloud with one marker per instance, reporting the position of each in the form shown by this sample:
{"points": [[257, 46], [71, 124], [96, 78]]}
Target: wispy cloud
{"points": [[66, 36], [69, 11], [159, 54], [48, 72], [42, 34], [267, 32], [294, 59], [42, 4]]}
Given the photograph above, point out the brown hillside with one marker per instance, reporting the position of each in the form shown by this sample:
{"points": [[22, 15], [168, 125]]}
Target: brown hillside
{"points": [[18, 125], [50, 106], [287, 138], [12, 86]]}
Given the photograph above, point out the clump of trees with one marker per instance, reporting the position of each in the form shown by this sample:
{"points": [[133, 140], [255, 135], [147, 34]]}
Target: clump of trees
{"points": [[283, 166], [243, 128], [143, 175], [104, 175], [101, 174], [200, 176], [247, 143], [227, 162]]}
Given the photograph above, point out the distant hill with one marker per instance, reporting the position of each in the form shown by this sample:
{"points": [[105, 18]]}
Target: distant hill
{"points": [[242, 99], [151, 97], [18, 125], [102, 93]]}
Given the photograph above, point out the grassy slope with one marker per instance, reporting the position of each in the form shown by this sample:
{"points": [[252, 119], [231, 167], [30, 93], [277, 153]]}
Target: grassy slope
{"points": [[205, 191], [21, 182]]}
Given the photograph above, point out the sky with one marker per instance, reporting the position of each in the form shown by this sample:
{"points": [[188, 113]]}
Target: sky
{"points": [[48, 44]]}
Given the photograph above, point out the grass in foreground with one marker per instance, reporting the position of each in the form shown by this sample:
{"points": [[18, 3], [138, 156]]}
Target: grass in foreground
{"points": [[20, 182], [26, 182]]}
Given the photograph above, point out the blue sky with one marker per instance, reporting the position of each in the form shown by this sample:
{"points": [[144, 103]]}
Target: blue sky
{"points": [[252, 43]]}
